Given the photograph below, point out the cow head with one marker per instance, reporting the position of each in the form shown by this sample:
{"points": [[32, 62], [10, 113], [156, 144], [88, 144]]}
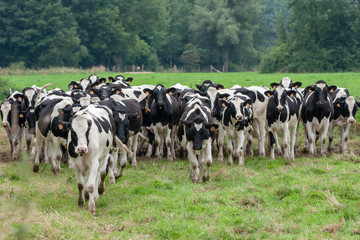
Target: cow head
{"points": [[159, 95], [236, 106], [280, 95], [122, 121], [346, 106], [28, 116], [321, 91], [197, 131], [10, 108], [103, 92], [73, 85]]}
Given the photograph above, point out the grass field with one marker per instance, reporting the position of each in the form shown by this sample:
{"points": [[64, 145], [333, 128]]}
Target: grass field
{"points": [[309, 198]]}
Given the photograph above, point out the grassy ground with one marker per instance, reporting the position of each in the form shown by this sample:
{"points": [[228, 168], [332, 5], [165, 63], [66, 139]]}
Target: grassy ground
{"points": [[309, 198]]}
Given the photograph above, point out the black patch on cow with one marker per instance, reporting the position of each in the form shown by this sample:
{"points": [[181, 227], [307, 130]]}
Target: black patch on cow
{"points": [[137, 93], [260, 96], [107, 143]]}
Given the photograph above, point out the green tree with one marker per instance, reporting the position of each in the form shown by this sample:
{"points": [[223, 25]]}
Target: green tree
{"points": [[39, 33]]}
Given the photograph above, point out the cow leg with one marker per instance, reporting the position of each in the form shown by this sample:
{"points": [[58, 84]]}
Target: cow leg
{"points": [[293, 142], [311, 133], [158, 136], [240, 147], [230, 148], [194, 165], [112, 165], [261, 136], [201, 160], [168, 142], [278, 147], [286, 140], [220, 143], [272, 143], [56, 159], [306, 138], [46, 152], [249, 139], [101, 186], [39, 141], [173, 141], [28, 138], [345, 138], [91, 184], [121, 163], [331, 137], [151, 143], [135, 139], [80, 182], [323, 138], [208, 160]]}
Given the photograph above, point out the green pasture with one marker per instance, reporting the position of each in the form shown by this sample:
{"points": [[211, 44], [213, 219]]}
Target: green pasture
{"points": [[308, 198]]}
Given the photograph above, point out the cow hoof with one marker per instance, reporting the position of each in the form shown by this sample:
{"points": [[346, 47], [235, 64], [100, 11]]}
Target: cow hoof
{"points": [[112, 179], [81, 204], [230, 164], [194, 181], [56, 171], [205, 179], [36, 168], [134, 164]]}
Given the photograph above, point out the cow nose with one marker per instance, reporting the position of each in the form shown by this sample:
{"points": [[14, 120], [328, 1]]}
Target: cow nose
{"points": [[321, 104], [82, 150], [280, 108], [352, 120], [161, 103], [239, 117], [5, 124], [197, 147]]}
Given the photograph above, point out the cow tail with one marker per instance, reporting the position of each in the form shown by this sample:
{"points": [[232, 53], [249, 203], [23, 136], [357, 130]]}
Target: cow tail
{"points": [[45, 86], [123, 146]]}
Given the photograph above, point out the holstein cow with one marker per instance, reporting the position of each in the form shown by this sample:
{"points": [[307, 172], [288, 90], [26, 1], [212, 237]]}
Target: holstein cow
{"points": [[87, 83], [90, 138], [316, 112], [257, 95], [164, 117], [282, 115], [9, 112], [47, 130], [128, 121], [196, 131], [236, 119], [345, 107]]}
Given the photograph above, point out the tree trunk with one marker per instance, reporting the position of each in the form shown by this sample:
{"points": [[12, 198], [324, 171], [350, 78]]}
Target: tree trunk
{"points": [[226, 59]]}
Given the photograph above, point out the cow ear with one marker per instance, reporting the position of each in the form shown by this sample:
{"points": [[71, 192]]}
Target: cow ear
{"points": [[148, 91], [247, 103], [223, 96], [358, 103], [274, 85], [171, 91], [186, 123], [224, 103], [19, 97], [297, 84], [95, 84], [63, 126], [332, 88], [129, 80], [309, 89], [218, 86], [291, 93], [93, 91], [134, 116], [269, 93], [116, 91], [111, 79], [198, 86], [211, 126]]}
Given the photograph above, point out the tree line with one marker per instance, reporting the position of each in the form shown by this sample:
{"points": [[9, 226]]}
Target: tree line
{"points": [[231, 35]]}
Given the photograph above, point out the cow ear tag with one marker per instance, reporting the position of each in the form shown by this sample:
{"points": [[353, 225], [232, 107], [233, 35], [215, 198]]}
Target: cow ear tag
{"points": [[220, 88], [296, 86], [332, 90], [269, 94], [338, 104], [19, 98], [61, 126], [170, 93], [247, 105], [147, 93], [117, 91], [291, 94], [138, 116], [21, 115], [212, 128], [184, 125], [310, 90], [224, 105], [75, 86], [91, 92], [224, 98]]}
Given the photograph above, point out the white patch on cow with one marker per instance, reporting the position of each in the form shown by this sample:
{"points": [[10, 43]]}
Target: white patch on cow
{"points": [[286, 81], [159, 87], [280, 90], [321, 85], [122, 116], [169, 98], [351, 102], [76, 109], [194, 109], [212, 92], [5, 109], [32, 110], [93, 78], [206, 84], [198, 126]]}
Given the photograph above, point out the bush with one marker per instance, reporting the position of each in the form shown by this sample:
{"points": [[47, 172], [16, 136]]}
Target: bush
{"points": [[4, 88]]}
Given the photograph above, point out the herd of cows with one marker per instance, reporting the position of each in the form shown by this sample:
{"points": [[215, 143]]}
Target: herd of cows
{"points": [[97, 125]]}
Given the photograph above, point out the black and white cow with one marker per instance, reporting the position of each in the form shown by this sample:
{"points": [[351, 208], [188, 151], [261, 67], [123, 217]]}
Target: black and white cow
{"points": [[165, 118], [90, 137], [316, 112], [236, 119], [196, 131], [87, 83], [9, 111], [282, 115], [120, 81], [345, 107], [47, 113]]}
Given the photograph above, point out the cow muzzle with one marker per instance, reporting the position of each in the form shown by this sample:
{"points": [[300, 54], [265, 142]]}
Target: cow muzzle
{"points": [[352, 120], [239, 117], [82, 150], [5, 124], [321, 104], [196, 147]]}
